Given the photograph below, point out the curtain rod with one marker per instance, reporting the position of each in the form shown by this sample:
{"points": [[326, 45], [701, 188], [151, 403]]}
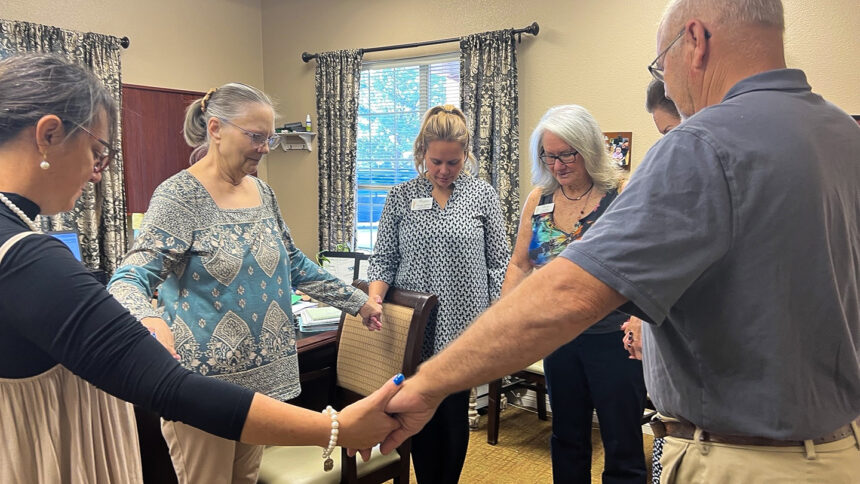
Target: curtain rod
{"points": [[124, 42], [532, 29]]}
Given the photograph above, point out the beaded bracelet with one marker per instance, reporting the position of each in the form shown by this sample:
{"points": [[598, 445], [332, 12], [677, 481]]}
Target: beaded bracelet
{"points": [[332, 442]]}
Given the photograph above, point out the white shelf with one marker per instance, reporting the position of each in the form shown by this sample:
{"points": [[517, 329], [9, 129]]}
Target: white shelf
{"points": [[297, 141]]}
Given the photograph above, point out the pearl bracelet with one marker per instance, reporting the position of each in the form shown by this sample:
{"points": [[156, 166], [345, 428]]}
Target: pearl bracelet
{"points": [[332, 442]]}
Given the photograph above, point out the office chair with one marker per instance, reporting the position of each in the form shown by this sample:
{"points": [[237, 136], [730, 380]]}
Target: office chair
{"points": [[531, 378], [365, 360]]}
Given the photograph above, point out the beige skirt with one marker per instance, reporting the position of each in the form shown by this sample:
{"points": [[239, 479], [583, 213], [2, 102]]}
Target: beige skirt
{"points": [[57, 428]]}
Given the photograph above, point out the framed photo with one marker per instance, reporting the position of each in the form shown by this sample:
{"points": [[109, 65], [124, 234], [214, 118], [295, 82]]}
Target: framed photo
{"points": [[856, 117], [618, 145]]}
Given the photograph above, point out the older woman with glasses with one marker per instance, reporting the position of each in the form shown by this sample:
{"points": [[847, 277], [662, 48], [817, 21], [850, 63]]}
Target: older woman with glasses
{"points": [[69, 353], [576, 181], [214, 243]]}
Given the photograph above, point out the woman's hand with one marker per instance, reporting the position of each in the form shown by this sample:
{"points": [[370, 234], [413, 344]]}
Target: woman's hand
{"points": [[371, 313], [158, 327], [633, 337], [365, 423]]}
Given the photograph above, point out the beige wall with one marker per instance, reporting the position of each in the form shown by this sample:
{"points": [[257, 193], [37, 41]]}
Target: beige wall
{"points": [[179, 44], [592, 53]]}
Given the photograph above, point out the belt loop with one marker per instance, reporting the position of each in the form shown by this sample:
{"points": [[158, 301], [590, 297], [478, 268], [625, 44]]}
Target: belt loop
{"points": [[697, 438], [810, 449], [856, 429]]}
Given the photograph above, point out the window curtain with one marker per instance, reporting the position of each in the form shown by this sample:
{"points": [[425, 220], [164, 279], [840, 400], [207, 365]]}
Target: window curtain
{"points": [[99, 215], [489, 99], [337, 81]]}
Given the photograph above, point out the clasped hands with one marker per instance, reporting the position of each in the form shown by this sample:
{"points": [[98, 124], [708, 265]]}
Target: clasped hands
{"points": [[632, 340], [371, 313], [401, 410]]}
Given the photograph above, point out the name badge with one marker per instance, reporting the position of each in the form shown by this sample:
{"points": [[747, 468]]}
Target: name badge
{"points": [[422, 203], [545, 208]]}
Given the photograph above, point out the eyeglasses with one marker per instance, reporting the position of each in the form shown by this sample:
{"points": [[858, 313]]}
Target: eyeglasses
{"points": [[105, 156], [565, 158], [257, 139], [657, 72]]}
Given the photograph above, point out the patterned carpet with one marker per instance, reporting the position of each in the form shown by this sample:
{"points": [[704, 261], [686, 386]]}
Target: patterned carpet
{"points": [[522, 454]]}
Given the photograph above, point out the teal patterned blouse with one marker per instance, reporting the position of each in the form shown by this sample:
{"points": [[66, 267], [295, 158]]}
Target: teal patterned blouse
{"points": [[224, 279]]}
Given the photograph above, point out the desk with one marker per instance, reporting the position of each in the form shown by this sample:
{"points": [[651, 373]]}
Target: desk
{"points": [[317, 359], [317, 354]]}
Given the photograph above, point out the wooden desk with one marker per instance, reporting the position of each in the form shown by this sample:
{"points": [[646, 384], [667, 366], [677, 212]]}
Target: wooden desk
{"points": [[317, 357]]}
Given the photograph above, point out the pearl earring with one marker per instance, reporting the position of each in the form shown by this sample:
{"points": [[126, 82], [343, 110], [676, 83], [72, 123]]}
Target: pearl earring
{"points": [[44, 165]]}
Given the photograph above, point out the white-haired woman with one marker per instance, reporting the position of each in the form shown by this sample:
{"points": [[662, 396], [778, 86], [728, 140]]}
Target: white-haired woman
{"points": [[576, 181]]}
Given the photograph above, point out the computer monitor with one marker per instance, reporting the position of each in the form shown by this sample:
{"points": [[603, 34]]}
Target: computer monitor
{"points": [[70, 238]]}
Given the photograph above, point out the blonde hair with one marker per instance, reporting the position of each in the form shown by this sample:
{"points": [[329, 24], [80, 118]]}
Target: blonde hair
{"points": [[444, 123], [579, 130]]}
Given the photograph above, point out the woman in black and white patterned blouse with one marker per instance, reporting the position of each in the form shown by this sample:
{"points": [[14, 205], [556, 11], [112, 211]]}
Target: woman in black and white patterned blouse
{"points": [[442, 232]]}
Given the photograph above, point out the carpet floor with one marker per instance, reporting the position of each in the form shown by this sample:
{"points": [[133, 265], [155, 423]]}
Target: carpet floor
{"points": [[522, 454]]}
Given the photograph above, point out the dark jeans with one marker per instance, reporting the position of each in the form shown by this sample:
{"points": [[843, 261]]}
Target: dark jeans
{"points": [[593, 372], [439, 449]]}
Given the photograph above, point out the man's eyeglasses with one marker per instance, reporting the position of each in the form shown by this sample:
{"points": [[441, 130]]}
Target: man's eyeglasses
{"points": [[103, 157], [656, 71], [257, 139], [565, 158]]}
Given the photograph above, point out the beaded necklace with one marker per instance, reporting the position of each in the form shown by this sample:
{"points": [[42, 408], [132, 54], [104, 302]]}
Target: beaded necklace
{"points": [[33, 224]]}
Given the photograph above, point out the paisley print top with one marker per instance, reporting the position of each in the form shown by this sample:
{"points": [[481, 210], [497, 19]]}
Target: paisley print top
{"points": [[224, 278]]}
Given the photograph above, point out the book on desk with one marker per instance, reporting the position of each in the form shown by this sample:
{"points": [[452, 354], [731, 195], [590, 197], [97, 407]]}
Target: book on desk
{"points": [[317, 319]]}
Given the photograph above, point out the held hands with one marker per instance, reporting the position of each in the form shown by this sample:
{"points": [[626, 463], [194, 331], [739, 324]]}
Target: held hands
{"points": [[412, 407], [371, 313], [162, 333], [365, 423], [633, 337]]}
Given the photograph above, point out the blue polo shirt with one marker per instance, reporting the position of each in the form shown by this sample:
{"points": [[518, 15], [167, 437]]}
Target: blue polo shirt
{"points": [[739, 238]]}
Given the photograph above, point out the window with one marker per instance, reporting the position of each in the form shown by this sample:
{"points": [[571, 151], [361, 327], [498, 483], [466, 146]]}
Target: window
{"points": [[393, 96]]}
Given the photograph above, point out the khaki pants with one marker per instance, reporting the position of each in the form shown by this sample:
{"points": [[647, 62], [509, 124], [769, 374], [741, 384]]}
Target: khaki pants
{"points": [[200, 457], [689, 462]]}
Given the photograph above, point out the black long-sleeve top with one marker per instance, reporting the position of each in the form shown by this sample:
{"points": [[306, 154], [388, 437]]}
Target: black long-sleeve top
{"points": [[53, 311]]}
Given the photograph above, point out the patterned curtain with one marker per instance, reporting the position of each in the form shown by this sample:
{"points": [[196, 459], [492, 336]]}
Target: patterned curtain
{"points": [[488, 96], [337, 78], [99, 215]]}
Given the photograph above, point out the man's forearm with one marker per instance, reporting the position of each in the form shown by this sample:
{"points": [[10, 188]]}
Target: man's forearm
{"points": [[549, 308]]}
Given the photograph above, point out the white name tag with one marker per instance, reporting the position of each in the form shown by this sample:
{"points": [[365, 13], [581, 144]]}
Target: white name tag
{"points": [[542, 209], [422, 203]]}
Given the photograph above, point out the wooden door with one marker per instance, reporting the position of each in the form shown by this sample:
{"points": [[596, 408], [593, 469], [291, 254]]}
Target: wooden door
{"points": [[152, 143]]}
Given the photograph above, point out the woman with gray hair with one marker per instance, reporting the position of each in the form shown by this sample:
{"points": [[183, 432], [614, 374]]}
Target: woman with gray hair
{"points": [[214, 242], [69, 353], [575, 181]]}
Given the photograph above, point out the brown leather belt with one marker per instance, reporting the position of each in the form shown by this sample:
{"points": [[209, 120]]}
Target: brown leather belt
{"points": [[686, 430]]}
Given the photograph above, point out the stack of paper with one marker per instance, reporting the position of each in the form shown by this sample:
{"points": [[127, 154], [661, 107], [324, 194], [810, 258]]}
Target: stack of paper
{"points": [[319, 319]]}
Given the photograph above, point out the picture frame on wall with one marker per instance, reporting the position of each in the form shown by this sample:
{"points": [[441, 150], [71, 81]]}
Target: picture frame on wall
{"points": [[619, 145], [856, 117]]}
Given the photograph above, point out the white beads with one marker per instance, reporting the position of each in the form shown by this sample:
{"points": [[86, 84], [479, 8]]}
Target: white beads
{"points": [[33, 224], [328, 464]]}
